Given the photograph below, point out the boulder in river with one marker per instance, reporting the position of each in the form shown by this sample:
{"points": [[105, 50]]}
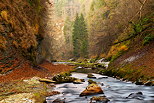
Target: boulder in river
{"points": [[91, 81], [61, 78], [92, 89], [78, 81], [91, 76], [101, 99], [138, 95]]}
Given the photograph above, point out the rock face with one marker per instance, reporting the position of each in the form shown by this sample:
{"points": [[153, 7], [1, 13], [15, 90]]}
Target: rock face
{"points": [[101, 99], [92, 89]]}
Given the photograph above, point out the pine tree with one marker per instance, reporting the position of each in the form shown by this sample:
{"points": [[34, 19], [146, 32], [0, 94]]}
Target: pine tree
{"points": [[83, 37], [76, 37], [80, 37]]}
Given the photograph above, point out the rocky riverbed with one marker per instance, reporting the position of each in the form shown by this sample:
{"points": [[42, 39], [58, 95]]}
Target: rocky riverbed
{"points": [[114, 91]]}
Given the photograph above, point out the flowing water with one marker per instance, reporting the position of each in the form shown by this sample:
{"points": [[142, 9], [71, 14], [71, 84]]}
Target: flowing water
{"points": [[115, 90]]}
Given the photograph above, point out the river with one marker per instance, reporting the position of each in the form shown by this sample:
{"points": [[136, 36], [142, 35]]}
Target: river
{"points": [[115, 90]]}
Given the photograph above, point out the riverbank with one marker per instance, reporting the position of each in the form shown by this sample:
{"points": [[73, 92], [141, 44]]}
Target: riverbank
{"points": [[23, 86], [26, 71], [136, 65]]}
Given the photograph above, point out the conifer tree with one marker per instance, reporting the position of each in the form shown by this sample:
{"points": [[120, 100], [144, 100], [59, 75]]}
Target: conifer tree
{"points": [[76, 37], [80, 37]]}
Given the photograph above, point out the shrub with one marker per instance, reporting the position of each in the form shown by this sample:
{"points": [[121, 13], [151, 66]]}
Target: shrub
{"points": [[148, 39]]}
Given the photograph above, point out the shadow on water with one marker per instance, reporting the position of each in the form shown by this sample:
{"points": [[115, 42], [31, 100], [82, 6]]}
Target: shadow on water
{"points": [[115, 90]]}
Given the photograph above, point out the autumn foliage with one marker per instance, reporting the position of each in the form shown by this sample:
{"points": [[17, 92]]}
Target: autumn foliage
{"points": [[19, 33]]}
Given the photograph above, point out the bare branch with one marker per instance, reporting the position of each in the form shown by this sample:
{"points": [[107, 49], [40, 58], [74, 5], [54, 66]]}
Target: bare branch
{"points": [[140, 2], [140, 11]]}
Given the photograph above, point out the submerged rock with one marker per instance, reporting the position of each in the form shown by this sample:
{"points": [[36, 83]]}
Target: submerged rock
{"points": [[58, 100], [92, 89], [91, 76], [103, 77], [101, 99], [138, 95]]}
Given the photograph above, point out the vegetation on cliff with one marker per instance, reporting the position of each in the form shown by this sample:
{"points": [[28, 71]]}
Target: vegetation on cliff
{"points": [[19, 33]]}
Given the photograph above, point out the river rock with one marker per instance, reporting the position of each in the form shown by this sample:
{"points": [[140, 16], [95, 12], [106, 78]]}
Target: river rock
{"points": [[92, 89], [46, 80], [101, 99], [102, 84], [139, 82], [91, 81], [149, 83], [138, 95], [91, 76], [60, 78], [103, 77], [78, 81], [58, 100]]}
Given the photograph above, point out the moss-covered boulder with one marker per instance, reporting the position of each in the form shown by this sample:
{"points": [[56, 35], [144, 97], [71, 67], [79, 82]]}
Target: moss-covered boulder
{"points": [[91, 76], [91, 81], [63, 78]]}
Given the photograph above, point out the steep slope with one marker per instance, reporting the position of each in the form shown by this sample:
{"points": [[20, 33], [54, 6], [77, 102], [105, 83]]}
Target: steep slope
{"points": [[19, 33]]}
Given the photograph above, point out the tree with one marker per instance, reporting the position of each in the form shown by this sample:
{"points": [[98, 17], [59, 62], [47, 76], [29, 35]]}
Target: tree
{"points": [[76, 37], [80, 37]]}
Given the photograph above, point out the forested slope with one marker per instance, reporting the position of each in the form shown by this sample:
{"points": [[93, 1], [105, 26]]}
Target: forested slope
{"points": [[19, 33]]}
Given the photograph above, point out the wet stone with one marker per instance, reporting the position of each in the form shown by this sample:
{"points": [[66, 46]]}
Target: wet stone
{"points": [[100, 99], [138, 95], [92, 89], [58, 100], [91, 76]]}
